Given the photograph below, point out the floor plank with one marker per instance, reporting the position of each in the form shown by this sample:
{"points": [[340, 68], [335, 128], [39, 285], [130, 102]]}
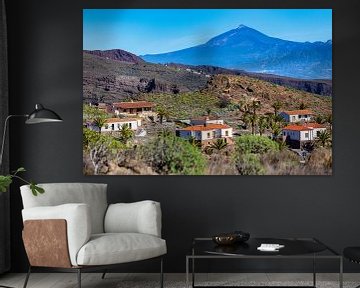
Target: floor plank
{"points": [[114, 280]]}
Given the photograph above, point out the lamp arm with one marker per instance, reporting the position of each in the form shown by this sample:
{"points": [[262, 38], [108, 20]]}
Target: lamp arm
{"points": [[4, 134]]}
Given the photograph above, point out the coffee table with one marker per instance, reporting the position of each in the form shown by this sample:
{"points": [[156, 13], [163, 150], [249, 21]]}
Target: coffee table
{"points": [[294, 248]]}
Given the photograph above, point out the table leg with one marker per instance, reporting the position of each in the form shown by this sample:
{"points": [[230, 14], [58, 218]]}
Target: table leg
{"points": [[341, 273], [187, 272], [314, 271], [193, 272]]}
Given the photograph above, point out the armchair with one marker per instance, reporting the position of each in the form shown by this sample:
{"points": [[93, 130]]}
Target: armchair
{"points": [[71, 228]]}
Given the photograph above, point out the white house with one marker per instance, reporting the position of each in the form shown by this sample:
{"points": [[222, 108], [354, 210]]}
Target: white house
{"points": [[296, 135], [115, 124], [133, 108], [294, 116], [206, 120], [207, 133]]}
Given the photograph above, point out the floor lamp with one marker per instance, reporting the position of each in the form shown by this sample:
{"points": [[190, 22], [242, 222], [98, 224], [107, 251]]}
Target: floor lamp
{"points": [[39, 115]]}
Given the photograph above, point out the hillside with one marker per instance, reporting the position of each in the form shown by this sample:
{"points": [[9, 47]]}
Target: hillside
{"points": [[320, 87], [116, 54], [250, 50], [107, 80], [242, 89]]}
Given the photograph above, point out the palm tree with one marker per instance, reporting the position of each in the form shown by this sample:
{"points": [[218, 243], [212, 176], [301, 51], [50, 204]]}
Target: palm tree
{"points": [[99, 120], [246, 119], [192, 140], [275, 130], [302, 106], [162, 113], [126, 134], [282, 145], [255, 105], [319, 119], [329, 120], [263, 124], [96, 116], [276, 119], [253, 120], [323, 138], [277, 106], [218, 145]]}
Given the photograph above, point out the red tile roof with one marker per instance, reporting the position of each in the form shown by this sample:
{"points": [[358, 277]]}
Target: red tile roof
{"points": [[296, 128], [137, 104], [299, 112], [120, 120], [206, 118], [313, 125], [207, 127]]}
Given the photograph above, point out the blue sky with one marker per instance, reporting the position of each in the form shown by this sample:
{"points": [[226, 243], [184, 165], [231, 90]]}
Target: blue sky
{"points": [[151, 31]]}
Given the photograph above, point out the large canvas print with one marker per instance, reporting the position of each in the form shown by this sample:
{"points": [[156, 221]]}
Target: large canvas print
{"points": [[207, 92]]}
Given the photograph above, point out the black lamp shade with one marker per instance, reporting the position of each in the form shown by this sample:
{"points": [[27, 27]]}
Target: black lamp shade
{"points": [[42, 115]]}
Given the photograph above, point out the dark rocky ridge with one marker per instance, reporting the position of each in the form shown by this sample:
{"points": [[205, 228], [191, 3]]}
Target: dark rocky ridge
{"points": [[116, 54], [108, 80]]}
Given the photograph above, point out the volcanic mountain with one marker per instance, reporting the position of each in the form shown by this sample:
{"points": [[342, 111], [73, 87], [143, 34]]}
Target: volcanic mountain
{"points": [[116, 54], [250, 50]]}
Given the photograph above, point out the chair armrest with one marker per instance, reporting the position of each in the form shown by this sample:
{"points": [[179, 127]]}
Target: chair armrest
{"points": [[138, 217], [78, 223]]}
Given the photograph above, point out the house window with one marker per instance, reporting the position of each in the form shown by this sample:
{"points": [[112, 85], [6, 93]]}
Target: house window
{"points": [[208, 135], [284, 133], [118, 126], [226, 133], [112, 126], [130, 125], [307, 135], [317, 133], [293, 118], [106, 126]]}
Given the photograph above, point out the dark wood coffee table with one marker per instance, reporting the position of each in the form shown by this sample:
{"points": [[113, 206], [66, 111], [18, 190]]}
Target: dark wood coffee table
{"points": [[295, 248]]}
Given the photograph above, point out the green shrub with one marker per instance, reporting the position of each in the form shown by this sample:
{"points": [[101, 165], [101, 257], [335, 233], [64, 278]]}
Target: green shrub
{"points": [[255, 144], [92, 138], [168, 154], [249, 164], [283, 162]]}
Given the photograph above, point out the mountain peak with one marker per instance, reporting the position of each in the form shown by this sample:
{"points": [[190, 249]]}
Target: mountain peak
{"points": [[242, 26]]}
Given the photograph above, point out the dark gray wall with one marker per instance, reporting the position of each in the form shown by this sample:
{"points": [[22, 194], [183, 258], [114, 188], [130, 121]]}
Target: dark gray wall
{"points": [[45, 39]]}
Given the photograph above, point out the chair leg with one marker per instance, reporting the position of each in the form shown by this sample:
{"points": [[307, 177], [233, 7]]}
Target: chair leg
{"points": [[27, 277], [103, 275], [79, 277], [161, 273]]}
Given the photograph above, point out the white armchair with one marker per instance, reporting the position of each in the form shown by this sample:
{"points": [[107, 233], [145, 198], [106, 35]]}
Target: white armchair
{"points": [[72, 228]]}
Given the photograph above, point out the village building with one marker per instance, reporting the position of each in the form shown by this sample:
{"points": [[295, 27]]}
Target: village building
{"points": [[133, 108], [298, 135], [207, 134], [294, 116], [105, 107], [115, 124], [206, 120]]}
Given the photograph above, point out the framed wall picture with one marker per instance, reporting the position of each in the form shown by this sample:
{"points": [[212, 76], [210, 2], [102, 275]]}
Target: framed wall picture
{"points": [[207, 91]]}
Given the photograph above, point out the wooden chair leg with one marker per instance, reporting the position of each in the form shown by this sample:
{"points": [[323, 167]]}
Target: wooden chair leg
{"points": [[27, 277], [79, 277]]}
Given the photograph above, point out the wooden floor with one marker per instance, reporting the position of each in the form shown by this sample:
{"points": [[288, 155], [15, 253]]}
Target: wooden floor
{"points": [[113, 280]]}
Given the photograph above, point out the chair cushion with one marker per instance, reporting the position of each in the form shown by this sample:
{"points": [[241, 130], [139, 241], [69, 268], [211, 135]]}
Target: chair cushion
{"points": [[114, 248], [352, 253], [92, 194]]}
